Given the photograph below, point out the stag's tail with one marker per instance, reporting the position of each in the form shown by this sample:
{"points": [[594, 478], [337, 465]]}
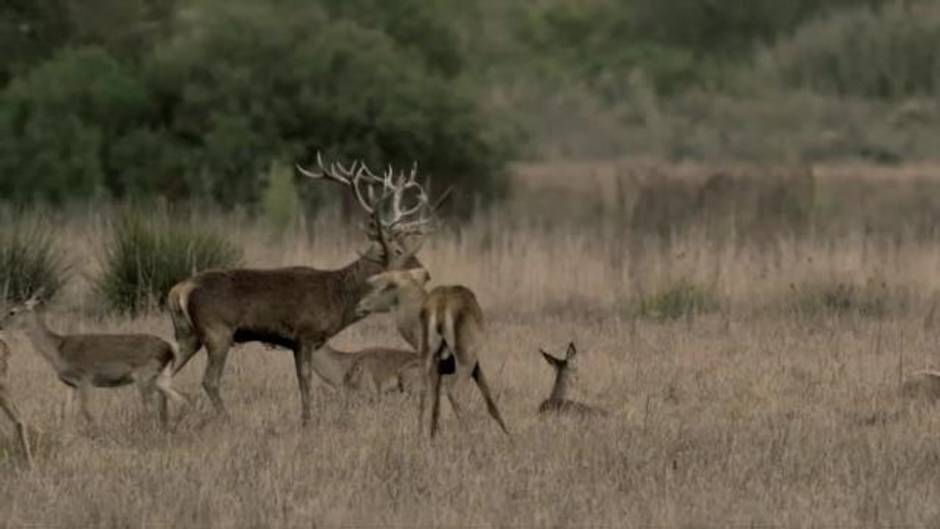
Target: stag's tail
{"points": [[178, 303]]}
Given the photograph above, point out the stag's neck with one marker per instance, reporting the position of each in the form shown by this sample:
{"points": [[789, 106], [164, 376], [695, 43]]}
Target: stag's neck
{"points": [[353, 287], [560, 389], [408, 313], [45, 342]]}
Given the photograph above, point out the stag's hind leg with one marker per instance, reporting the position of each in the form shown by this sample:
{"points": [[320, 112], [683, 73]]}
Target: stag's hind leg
{"points": [[217, 350], [187, 345], [477, 375], [10, 409]]}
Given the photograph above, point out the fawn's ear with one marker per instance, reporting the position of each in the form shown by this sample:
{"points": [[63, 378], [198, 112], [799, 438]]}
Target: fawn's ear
{"points": [[421, 275], [569, 354]]}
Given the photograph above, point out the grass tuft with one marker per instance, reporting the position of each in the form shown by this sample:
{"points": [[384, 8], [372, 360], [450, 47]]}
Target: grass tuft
{"points": [[30, 259], [681, 299], [147, 254]]}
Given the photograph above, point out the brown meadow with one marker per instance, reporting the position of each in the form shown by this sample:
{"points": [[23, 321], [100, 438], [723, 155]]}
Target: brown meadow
{"points": [[770, 396]]}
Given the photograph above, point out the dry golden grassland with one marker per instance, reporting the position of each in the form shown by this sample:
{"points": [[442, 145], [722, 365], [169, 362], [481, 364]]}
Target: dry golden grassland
{"points": [[773, 402]]}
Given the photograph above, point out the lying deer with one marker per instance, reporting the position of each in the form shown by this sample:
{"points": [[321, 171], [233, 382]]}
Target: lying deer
{"points": [[450, 321], [6, 403], [300, 308], [557, 401], [84, 361], [375, 369]]}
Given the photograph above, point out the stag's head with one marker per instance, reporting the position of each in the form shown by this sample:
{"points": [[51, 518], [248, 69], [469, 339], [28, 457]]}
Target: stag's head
{"points": [[399, 209]]}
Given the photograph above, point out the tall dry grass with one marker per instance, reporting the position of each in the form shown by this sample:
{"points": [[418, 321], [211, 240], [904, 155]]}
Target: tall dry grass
{"points": [[775, 406]]}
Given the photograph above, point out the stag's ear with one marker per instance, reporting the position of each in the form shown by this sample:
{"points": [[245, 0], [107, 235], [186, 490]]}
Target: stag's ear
{"points": [[569, 354], [420, 275]]}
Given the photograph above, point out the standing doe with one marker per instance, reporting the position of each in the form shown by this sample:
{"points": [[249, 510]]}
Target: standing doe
{"points": [[6, 403], [451, 334], [558, 401], [300, 308], [83, 361]]}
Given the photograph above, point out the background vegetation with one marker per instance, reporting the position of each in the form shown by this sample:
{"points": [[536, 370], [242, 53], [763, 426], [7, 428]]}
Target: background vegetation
{"points": [[200, 99]]}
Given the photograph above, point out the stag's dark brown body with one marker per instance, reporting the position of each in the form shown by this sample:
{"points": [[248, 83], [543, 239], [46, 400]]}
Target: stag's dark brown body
{"points": [[298, 308]]}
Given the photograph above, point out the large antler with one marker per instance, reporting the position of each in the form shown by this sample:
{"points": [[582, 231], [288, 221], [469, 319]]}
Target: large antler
{"points": [[396, 188], [353, 176]]}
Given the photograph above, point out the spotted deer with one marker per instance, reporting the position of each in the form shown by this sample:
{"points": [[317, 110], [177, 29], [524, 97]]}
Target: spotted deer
{"points": [[85, 361], [6, 403], [300, 308], [558, 401], [448, 322]]}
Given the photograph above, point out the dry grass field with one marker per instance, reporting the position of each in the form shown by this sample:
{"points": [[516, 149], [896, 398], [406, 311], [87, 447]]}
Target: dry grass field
{"points": [[772, 402]]}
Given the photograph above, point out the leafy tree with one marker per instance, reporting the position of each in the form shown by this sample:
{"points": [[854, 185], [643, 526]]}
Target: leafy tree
{"points": [[244, 84], [58, 123]]}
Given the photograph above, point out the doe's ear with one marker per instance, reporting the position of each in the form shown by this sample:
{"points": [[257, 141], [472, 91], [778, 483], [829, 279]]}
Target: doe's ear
{"points": [[569, 354], [549, 358], [420, 275], [376, 280]]}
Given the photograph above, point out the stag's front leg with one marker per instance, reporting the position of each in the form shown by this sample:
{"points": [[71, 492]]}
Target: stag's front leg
{"points": [[303, 363]]}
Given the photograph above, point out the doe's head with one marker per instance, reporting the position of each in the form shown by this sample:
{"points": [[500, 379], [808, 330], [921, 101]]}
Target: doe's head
{"points": [[561, 364], [386, 289], [15, 317]]}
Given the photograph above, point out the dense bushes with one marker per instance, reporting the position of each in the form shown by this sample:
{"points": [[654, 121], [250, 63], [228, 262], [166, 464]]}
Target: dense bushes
{"points": [[889, 53], [148, 253], [59, 124], [676, 44]]}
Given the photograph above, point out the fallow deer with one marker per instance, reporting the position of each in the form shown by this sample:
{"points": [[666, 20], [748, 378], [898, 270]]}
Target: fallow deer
{"points": [[6, 403], [84, 361], [300, 308], [558, 401], [450, 322]]}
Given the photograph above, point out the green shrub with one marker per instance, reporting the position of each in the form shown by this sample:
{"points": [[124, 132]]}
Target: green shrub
{"points": [[147, 254], [683, 298], [888, 53], [280, 201], [30, 259]]}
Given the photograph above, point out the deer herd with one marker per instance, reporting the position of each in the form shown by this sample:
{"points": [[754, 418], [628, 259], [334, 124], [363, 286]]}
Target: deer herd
{"points": [[300, 309]]}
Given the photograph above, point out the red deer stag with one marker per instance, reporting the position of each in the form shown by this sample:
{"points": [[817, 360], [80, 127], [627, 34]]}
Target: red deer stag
{"points": [[300, 308]]}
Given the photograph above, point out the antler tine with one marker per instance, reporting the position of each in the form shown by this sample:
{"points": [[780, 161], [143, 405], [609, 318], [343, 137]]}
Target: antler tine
{"points": [[322, 174]]}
